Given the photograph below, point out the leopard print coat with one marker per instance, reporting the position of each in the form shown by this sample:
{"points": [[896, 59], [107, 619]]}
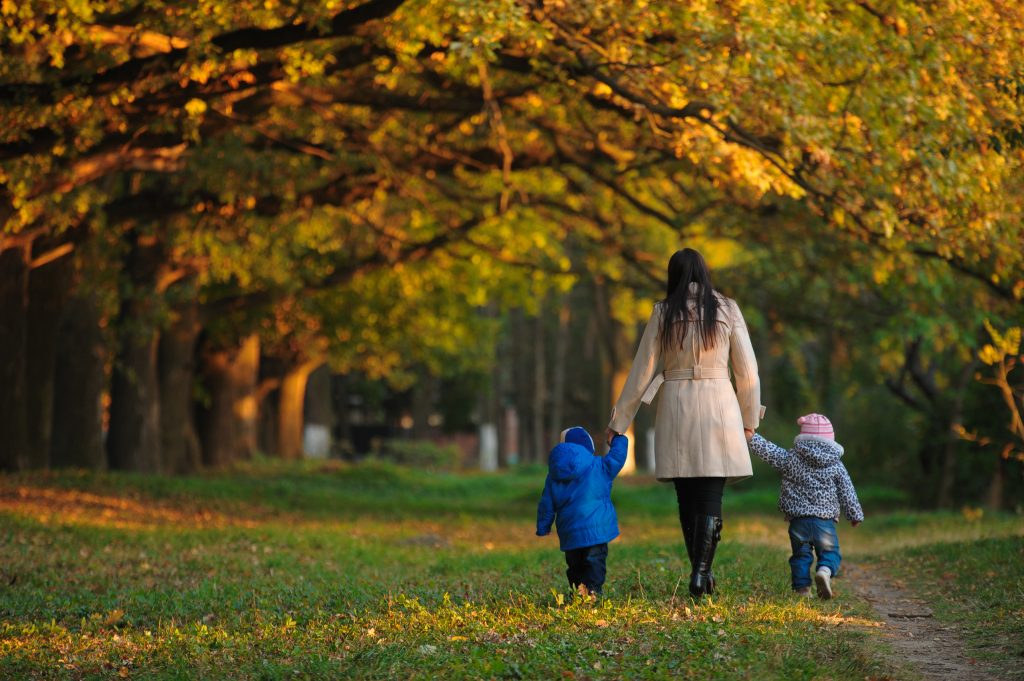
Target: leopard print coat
{"points": [[814, 481]]}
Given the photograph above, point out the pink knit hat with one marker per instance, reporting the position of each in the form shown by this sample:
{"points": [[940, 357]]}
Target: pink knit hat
{"points": [[816, 425]]}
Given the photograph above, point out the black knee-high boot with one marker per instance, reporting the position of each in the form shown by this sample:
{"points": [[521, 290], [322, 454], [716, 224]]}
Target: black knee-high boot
{"points": [[686, 522], [707, 531]]}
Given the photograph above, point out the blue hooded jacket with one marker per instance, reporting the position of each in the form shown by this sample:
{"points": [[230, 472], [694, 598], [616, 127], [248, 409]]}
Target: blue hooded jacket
{"points": [[578, 491]]}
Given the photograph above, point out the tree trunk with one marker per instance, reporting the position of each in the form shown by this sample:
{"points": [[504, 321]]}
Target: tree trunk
{"points": [[539, 387], [179, 442], [79, 380], [619, 348], [290, 409], [558, 371], [521, 387], [422, 404], [246, 378], [49, 285], [268, 420], [216, 423], [133, 441], [319, 416], [619, 377], [340, 409], [14, 278], [825, 380], [997, 485], [267, 395], [947, 482]]}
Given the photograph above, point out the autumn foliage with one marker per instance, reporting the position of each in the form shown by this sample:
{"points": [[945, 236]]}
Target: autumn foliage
{"points": [[203, 202]]}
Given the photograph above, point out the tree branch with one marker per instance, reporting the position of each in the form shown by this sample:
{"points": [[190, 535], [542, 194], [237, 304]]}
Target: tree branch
{"points": [[95, 84]]}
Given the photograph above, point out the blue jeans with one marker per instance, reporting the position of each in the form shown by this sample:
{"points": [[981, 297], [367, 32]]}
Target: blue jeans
{"points": [[587, 566], [809, 536]]}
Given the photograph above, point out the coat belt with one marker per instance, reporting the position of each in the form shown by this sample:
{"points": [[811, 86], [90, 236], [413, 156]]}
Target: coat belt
{"points": [[696, 373]]}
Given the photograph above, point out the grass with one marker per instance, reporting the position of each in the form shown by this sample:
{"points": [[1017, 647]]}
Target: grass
{"points": [[278, 571], [978, 586]]}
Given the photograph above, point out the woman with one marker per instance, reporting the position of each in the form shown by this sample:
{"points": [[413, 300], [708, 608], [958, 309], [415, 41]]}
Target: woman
{"points": [[701, 428]]}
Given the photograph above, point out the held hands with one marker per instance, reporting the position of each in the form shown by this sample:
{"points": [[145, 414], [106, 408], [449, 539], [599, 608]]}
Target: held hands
{"points": [[609, 434], [749, 433]]}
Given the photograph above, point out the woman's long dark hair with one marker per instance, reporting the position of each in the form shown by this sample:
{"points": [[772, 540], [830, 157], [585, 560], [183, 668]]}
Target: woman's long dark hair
{"points": [[684, 268]]}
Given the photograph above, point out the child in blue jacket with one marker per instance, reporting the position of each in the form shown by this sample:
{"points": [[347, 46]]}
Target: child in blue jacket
{"points": [[577, 496]]}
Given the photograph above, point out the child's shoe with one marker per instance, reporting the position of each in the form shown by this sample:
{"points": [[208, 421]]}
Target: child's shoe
{"points": [[823, 580], [586, 594], [804, 592]]}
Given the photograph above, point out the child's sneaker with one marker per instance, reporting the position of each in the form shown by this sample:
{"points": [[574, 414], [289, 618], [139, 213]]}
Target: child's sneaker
{"points": [[823, 580], [804, 592], [586, 594]]}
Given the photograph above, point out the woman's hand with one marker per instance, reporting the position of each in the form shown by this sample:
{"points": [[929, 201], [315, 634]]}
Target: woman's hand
{"points": [[608, 435], [749, 433]]}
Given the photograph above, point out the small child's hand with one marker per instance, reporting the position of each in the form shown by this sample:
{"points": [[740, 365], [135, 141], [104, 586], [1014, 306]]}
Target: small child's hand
{"points": [[855, 523], [749, 433]]}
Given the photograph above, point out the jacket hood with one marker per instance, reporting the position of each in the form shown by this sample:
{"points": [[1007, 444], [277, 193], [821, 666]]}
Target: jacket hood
{"points": [[568, 461], [578, 435], [818, 451]]}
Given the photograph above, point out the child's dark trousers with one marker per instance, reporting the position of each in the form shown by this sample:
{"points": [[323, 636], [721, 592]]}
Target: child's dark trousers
{"points": [[808, 536], [587, 567]]}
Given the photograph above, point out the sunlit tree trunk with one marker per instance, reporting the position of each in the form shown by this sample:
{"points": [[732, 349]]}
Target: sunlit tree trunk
{"points": [[290, 408], [618, 381], [228, 421], [79, 380], [133, 441], [179, 442], [14, 278], [246, 375], [319, 414]]}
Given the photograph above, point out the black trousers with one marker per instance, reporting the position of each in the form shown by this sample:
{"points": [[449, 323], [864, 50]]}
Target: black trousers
{"points": [[587, 567], [699, 496]]}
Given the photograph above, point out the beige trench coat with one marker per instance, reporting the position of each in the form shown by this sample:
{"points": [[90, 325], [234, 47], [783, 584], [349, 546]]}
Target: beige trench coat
{"points": [[700, 417]]}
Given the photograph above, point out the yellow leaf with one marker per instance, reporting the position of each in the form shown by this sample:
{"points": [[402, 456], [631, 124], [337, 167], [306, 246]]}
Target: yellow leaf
{"points": [[195, 107], [989, 355]]}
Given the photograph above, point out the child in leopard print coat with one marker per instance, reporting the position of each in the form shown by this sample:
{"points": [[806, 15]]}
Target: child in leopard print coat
{"points": [[815, 488]]}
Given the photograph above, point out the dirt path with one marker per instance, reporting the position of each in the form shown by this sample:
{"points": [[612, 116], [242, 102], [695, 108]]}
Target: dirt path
{"points": [[920, 642]]}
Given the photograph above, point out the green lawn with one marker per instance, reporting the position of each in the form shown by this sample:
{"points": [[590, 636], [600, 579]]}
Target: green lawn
{"points": [[370, 571], [980, 586]]}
